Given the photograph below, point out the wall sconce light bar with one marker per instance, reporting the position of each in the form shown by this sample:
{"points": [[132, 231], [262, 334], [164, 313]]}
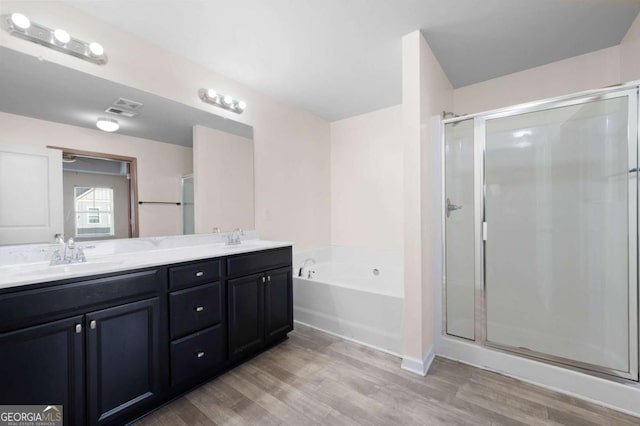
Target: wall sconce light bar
{"points": [[58, 39], [212, 97]]}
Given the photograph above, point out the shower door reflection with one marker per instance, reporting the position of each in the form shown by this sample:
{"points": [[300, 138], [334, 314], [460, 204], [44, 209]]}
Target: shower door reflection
{"points": [[459, 229], [561, 213]]}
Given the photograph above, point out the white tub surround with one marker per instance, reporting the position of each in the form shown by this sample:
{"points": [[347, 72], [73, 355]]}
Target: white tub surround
{"points": [[29, 264], [354, 293]]}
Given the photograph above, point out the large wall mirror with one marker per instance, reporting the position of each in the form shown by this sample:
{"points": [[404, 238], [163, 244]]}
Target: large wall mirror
{"points": [[169, 169]]}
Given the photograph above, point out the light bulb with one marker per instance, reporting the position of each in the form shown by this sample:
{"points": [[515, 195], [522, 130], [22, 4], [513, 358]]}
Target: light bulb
{"points": [[211, 93], [242, 105], [96, 49], [107, 124], [20, 21], [62, 36], [228, 100]]}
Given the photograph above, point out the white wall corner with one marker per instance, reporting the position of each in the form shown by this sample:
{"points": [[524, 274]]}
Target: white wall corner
{"points": [[419, 366]]}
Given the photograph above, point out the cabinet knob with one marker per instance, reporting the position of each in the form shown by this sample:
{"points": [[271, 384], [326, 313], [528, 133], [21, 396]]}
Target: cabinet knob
{"points": [[199, 308], [199, 274], [268, 278], [200, 354], [92, 324], [78, 328], [263, 280]]}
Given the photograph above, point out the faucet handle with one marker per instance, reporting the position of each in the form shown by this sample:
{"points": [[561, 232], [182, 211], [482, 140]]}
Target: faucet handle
{"points": [[56, 258], [80, 257]]}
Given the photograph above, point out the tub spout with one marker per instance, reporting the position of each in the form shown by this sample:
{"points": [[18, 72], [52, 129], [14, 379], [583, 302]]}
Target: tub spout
{"points": [[304, 265]]}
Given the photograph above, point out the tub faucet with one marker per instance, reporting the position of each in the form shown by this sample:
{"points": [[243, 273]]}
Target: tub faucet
{"points": [[304, 264]]}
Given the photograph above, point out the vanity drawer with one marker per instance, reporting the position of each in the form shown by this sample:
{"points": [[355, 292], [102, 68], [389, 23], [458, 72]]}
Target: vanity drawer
{"points": [[58, 301], [251, 263], [194, 274], [195, 308], [197, 355]]}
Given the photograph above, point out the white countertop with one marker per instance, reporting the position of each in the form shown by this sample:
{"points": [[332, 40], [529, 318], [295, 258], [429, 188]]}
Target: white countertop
{"points": [[121, 255]]}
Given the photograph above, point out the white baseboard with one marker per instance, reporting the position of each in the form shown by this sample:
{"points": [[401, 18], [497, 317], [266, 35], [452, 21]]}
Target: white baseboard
{"points": [[347, 338], [419, 366]]}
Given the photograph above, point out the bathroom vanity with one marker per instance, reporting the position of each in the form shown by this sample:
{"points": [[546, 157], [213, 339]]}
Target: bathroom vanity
{"points": [[113, 345]]}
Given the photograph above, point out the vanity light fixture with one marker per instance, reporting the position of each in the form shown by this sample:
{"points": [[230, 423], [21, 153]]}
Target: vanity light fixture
{"points": [[58, 39], [107, 124], [61, 36], [212, 97]]}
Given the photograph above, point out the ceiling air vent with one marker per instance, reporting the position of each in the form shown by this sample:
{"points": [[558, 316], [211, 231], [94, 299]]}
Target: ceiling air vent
{"points": [[122, 112], [127, 104]]}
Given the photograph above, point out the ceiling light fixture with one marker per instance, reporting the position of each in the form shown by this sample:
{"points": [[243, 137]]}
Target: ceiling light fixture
{"points": [[58, 39], [107, 124], [212, 97]]}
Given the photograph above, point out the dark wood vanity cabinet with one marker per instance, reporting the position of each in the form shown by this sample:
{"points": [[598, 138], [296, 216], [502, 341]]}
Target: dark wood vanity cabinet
{"points": [[246, 315], [123, 351], [278, 304], [111, 348], [260, 304], [103, 354], [197, 321], [44, 364]]}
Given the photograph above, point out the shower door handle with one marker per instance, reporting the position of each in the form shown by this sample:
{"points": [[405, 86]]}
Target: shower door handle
{"points": [[452, 207]]}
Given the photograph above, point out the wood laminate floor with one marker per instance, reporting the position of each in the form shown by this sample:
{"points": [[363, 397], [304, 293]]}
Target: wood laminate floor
{"points": [[316, 378]]}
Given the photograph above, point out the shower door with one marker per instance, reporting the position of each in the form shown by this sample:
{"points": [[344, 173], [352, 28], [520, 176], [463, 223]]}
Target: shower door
{"points": [[459, 229], [561, 232]]}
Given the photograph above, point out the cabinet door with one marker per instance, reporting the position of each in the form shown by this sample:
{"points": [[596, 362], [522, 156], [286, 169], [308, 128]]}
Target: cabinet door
{"points": [[246, 314], [278, 304], [44, 365], [122, 360]]}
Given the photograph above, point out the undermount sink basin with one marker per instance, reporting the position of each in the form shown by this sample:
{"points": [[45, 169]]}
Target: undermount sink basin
{"points": [[63, 269], [243, 245]]}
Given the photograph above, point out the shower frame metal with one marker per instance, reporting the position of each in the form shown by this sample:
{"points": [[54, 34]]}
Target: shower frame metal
{"points": [[479, 156]]}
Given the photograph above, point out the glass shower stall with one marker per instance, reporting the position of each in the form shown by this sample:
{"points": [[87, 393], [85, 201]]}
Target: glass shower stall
{"points": [[541, 230]]}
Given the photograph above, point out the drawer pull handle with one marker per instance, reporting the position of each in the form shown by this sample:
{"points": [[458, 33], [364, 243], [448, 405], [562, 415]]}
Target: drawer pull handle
{"points": [[92, 324], [199, 308], [200, 354], [78, 328], [199, 274]]}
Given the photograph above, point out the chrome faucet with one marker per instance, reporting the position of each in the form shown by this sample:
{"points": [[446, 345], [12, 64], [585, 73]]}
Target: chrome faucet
{"points": [[304, 264], [70, 253], [233, 237]]}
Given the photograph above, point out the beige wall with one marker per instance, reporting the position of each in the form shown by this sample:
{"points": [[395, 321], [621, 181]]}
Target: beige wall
{"points": [[602, 68], [292, 199], [426, 92], [630, 53], [160, 165], [366, 180], [121, 199], [589, 71], [223, 180]]}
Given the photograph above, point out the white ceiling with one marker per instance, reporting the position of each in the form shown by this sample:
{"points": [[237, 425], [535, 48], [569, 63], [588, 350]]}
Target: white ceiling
{"points": [[339, 58]]}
